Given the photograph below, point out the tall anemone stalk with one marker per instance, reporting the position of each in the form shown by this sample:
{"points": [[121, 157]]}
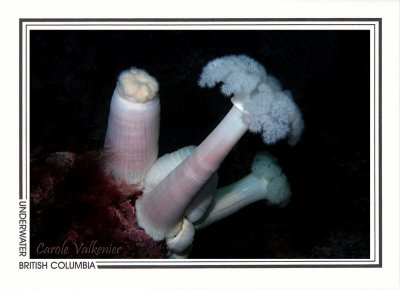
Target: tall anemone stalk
{"points": [[133, 127], [259, 105]]}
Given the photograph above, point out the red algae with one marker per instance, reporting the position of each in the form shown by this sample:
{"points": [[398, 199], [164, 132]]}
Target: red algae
{"points": [[78, 211]]}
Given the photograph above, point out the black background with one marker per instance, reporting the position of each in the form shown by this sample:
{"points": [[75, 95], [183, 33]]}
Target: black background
{"points": [[73, 75]]}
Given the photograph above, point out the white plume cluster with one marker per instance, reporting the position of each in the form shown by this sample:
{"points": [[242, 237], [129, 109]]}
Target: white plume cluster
{"points": [[265, 167], [269, 110]]}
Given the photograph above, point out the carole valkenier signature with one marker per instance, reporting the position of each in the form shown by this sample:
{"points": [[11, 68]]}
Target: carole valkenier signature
{"points": [[77, 248]]}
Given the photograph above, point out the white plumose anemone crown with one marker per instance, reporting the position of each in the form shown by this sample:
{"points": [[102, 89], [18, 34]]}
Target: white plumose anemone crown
{"points": [[267, 108], [277, 190], [265, 182], [137, 85], [239, 74]]}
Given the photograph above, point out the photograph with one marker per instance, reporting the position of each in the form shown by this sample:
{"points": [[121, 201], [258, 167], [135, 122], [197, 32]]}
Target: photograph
{"points": [[213, 145], [208, 143]]}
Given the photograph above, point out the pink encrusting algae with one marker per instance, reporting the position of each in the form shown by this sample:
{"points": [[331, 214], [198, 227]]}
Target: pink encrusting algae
{"points": [[86, 208]]}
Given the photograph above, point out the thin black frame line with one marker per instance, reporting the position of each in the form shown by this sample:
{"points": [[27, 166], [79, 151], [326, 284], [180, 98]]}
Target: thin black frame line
{"points": [[380, 143], [26, 111], [374, 94], [228, 266], [194, 25], [248, 260], [20, 113], [193, 262], [188, 261], [238, 265], [195, 19], [379, 20]]}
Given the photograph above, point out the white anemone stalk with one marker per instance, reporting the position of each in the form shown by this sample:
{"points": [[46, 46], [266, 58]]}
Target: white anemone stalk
{"points": [[161, 211], [165, 165], [179, 245], [265, 182], [133, 127]]}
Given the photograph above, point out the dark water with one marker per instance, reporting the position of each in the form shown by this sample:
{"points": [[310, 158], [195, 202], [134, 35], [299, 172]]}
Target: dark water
{"points": [[73, 75]]}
